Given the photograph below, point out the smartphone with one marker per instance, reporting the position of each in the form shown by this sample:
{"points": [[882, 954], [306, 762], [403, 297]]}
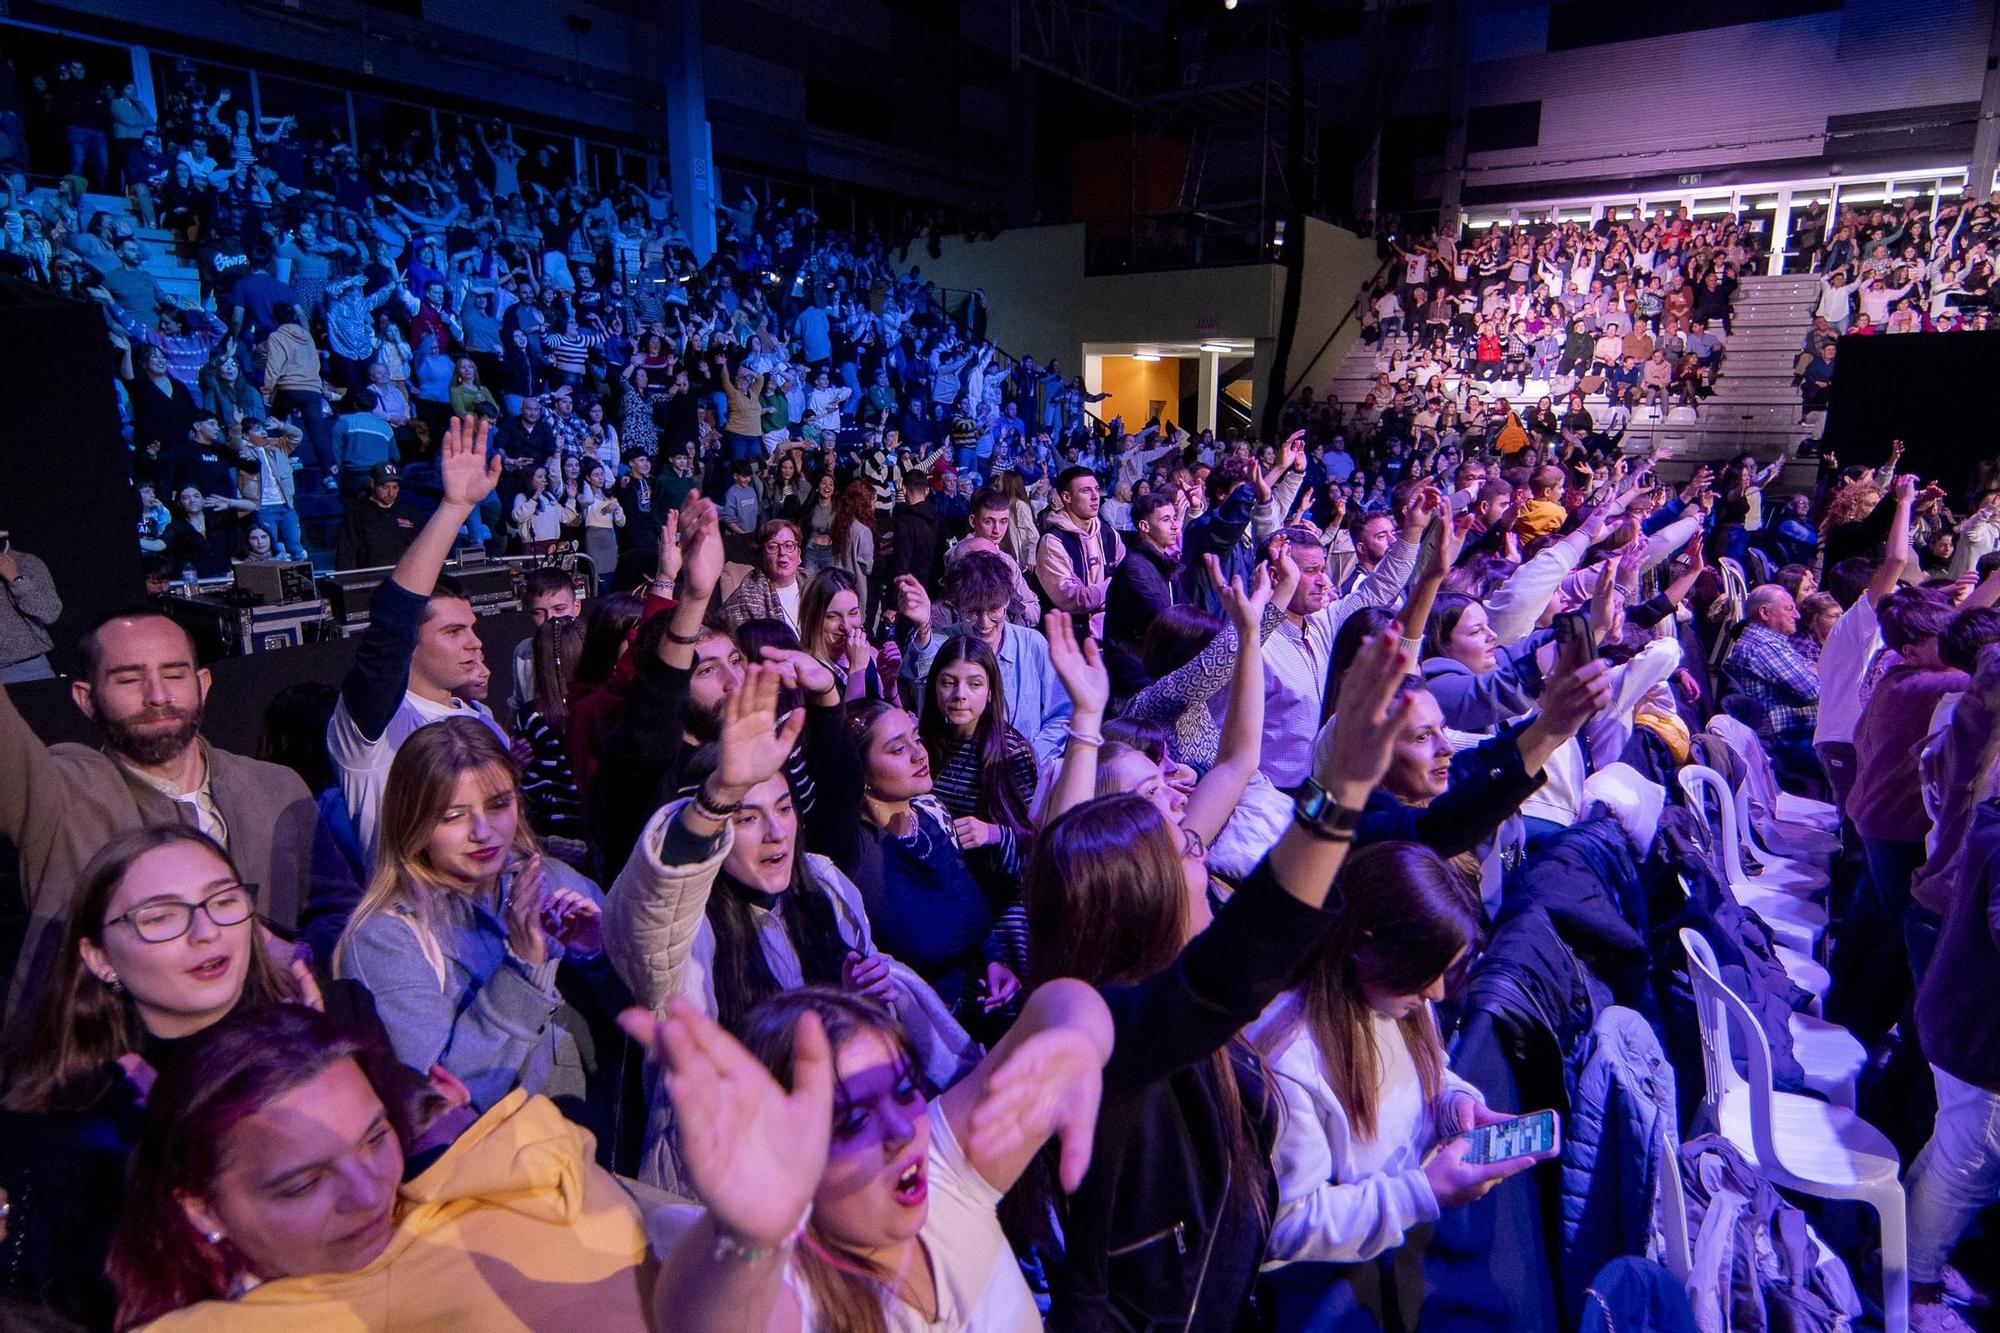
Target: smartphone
{"points": [[1575, 638], [1537, 1134], [1429, 547]]}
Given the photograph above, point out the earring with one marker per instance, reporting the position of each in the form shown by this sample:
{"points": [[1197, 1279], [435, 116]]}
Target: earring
{"points": [[213, 1237], [113, 982]]}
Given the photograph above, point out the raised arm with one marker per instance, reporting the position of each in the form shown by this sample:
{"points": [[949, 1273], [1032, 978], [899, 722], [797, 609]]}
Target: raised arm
{"points": [[375, 684], [1221, 789], [1896, 555], [1083, 675]]}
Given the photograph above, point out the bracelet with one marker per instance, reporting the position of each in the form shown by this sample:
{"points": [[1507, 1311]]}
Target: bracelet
{"points": [[728, 1249], [719, 813], [1085, 738], [684, 640]]}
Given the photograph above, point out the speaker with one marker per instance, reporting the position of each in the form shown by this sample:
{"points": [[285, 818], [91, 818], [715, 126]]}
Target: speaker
{"points": [[72, 505]]}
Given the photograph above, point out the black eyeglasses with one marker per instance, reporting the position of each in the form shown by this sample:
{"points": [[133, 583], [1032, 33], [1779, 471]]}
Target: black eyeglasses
{"points": [[161, 922]]}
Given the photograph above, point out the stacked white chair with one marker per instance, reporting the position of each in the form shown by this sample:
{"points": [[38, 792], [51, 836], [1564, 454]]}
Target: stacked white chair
{"points": [[1797, 1142], [1793, 827], [1795, 921]]}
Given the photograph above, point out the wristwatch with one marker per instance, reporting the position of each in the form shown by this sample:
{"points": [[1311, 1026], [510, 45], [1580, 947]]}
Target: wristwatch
{"points": [[1323, 817]]}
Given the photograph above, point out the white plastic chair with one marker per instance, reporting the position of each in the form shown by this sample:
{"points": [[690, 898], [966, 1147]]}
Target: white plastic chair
{"points": [[1797, 1142], [1770, 869], [1794, 921], [1790, 826]]}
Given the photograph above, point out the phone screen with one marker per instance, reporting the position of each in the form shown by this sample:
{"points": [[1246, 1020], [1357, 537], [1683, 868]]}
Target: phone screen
{"points": [[1531, 1135]]}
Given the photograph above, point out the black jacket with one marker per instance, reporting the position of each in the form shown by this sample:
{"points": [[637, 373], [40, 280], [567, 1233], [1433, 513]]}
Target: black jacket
{"points": [[1165, 1232], [917, 532], [1144, 584], [1488, 783], [371, 535]]}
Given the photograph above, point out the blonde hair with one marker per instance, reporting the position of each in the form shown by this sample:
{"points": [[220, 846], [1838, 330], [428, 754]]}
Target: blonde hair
{"points": [[422, 782]]}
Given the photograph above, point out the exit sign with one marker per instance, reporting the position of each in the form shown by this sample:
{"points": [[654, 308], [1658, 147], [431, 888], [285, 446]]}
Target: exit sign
{"points": [[1690, 178]]}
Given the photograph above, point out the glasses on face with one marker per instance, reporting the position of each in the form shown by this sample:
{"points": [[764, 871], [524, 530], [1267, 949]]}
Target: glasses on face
{"points": [[162, 922], [781, 548]]}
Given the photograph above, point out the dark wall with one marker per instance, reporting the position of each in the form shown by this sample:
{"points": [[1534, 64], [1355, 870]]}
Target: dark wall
{"points": [[1925, 389], [64, 489]]}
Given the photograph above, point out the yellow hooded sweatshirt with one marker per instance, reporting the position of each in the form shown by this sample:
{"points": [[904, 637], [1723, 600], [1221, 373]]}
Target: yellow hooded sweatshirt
{"points": [[515, 1227]]}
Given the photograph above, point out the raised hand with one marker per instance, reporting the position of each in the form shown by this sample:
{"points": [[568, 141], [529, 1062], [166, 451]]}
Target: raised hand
{"points": [[1906, 488], [671, 556], [1368, 717], [1081, 670], [754, 743], [523, 914], [701, 548], [812, 676], [469, 475], [754, 1152], [913, 603], [1050, 1085], [574, 922]]}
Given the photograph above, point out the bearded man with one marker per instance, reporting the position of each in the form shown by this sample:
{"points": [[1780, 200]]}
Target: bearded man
{"points": [[60, 803]]}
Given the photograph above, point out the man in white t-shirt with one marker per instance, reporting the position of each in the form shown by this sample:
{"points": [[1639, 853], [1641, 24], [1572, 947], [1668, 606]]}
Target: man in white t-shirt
{"points": [[421, 644], [1853, 644]]}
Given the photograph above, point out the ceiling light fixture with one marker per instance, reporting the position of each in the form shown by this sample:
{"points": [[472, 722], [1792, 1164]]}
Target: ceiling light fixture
{"points": [[1145, 356]]}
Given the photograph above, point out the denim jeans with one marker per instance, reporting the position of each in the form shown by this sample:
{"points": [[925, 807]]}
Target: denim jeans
{"points": [[85, 142], [316, 420], [1956, 1176], [283, 521], [33, 668]]}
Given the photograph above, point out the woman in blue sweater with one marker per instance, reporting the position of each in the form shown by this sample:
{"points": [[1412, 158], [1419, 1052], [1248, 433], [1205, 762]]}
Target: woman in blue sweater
{"points": [[465, 924]]}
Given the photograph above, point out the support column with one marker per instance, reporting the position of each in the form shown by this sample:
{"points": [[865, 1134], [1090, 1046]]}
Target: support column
{"points": [[1207, 389], [1986, 139], [142, 79], [1459, 79], [689, 164], [1781, 233]]}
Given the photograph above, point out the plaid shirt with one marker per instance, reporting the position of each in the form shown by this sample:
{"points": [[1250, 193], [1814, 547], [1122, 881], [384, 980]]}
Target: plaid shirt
{"points": [[1766, 666]]}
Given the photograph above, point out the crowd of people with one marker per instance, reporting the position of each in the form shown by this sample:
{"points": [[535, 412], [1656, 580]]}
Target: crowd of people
{"points": [[944, 861], [1508, 337]]}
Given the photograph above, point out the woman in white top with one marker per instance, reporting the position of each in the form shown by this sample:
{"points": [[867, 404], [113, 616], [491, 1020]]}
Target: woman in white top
{"points": [[1368, 1144], [538, 514], [838, 1195], [1978, 534], [602, 516]]}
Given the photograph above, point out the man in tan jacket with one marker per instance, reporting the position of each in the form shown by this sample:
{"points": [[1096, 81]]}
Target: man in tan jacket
{"points": [[60, 803]]}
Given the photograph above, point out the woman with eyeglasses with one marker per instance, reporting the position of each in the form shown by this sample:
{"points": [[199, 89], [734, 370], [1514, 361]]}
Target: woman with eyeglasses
{"points": [[162, 943]]}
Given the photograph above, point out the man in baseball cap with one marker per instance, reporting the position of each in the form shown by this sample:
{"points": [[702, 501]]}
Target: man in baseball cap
{"points": [[376, 530]]}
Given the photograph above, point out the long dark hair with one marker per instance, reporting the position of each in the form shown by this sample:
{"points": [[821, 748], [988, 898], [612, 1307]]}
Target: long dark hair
{"points": [[1176, 635], [999, 795], [62, 1053], [1108, 903], [741, 974], [158, 1262], [1347, 641], [1405, 916], [616, 614]]}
